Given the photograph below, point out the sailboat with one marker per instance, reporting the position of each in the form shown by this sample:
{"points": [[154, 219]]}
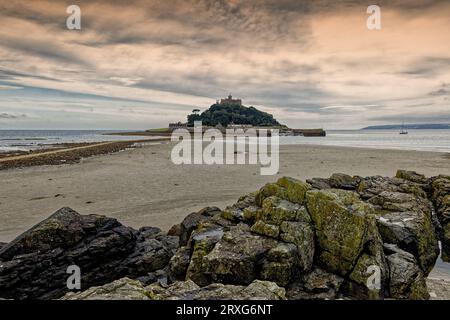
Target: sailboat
{"points": [[403, 131]]}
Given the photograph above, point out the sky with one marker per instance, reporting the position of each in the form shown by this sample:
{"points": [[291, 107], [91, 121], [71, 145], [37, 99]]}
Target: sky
{"points": [[139, 64]]}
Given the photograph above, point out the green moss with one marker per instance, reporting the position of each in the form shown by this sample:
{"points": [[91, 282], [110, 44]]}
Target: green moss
{"points": [[276, 210], [341, 226], [265, 229], [251, 213], [295, 190], [277, 272], [270, 189]]}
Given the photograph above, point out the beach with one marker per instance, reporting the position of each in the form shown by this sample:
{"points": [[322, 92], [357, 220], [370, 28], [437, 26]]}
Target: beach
{"points": [[142, 187]]}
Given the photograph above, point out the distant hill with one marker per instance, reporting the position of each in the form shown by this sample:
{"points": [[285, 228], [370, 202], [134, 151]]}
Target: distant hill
{"points": [[226, 114], [409, 126]]}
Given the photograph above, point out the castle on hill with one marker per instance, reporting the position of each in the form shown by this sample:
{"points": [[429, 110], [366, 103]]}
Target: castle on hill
{"points": [[231, 101]]}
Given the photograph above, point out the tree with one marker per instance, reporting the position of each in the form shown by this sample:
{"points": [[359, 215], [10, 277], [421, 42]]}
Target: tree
{"points": [[226, 114]]}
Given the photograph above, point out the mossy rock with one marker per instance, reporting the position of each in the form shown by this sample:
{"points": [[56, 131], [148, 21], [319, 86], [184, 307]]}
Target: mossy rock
{"points": [[232, 214], [301, 234], [367, 283], [294, 190], [342, 227], [266, 229], [202, 242], [406, 279], [234, 258], [251, 213], [276, 210], [277, 272], [269, 190], [281, 264], [411, 176]]}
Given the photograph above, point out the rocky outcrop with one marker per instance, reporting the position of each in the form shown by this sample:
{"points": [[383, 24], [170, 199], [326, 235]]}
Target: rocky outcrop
{"points": [[339, 237], [188, 290], [404, 214], [127, 289], [315, 285], [35, 264], [327, 238], [440, 188], [122, 289], [407, 281]]}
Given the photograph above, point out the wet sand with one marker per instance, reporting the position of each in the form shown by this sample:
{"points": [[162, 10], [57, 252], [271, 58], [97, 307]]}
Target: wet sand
{"points": [[65, 153]]}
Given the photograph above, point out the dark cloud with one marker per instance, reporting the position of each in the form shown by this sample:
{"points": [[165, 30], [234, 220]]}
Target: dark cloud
{"points": [[5, 115], [6, 74], [444, 90], [428, 66], [43, 49]]}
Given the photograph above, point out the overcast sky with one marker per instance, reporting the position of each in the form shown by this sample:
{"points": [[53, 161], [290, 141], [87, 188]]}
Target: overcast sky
{"points": [[148, 63]]}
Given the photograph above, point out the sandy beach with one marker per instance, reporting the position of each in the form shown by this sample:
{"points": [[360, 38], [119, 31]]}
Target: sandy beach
{"points": [[142, 187]]}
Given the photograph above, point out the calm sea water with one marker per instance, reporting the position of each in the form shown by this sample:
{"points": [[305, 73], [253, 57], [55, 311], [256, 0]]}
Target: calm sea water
{"points": [[24, 140], [422, 140]]}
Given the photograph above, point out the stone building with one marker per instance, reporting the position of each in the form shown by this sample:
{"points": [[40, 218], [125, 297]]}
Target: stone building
{"points": [[230, 100]]}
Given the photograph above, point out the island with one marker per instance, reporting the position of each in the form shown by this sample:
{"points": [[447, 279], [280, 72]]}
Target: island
{"points": [[229, 113]]}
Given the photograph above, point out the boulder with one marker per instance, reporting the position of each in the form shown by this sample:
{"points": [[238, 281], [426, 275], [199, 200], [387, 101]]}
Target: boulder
{"points": [[235, 213], [440, 188], [294, 190], [343, 181], [286, 188], [179, 264], [175, 230], [336, 181], [281, 264], [319, 183], [343, 225], [412, 231], [202, 242], [407, 281], [266, 229], [301, 234], [411, 176], [404, 214], [188, 290], [101, 247], [371, 186], [161, 276], [276, 210], [122, 289], [193, 220], [316, 285], [235, 257]]}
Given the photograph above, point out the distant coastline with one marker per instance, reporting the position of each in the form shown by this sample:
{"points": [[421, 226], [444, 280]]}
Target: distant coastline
{"points": [[437, 126]]}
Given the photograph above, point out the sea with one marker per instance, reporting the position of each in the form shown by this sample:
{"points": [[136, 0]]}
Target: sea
{"points": [[419, 140], [26, 140]]}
